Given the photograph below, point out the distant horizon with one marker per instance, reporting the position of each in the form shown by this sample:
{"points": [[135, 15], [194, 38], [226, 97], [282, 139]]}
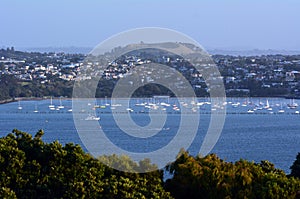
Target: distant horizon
{"points": [[224, 51]]}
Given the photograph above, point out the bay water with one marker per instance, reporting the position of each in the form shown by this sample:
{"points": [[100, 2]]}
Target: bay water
{"points": [[251, 131]]}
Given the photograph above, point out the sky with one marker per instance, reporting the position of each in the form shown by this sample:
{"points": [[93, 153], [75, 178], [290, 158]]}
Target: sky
{"points": [[227, 24]]}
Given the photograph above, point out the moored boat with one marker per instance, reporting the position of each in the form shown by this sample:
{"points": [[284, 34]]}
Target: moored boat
{"points": [[92, 117], [293, 104]]}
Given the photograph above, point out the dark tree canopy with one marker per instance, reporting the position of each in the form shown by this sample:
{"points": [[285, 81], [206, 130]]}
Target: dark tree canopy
{"points": [[295, 168], [211, 177], [31, 168]]}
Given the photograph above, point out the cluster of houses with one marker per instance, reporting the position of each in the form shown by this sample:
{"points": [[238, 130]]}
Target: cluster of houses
{"points": [[43, 68], [269, 71]]}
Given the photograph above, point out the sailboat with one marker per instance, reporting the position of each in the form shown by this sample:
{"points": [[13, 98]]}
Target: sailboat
{"points": [[268, 107], [92, 117], [60, 104], [51, 106], [281, 110], [106, 103], [245, 103], [293, 104], [35, 110], [250, 111], [19, 106]]}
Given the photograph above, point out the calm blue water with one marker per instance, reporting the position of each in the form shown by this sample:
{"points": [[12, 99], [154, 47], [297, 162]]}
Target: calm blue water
{"points": [[261, 135]]}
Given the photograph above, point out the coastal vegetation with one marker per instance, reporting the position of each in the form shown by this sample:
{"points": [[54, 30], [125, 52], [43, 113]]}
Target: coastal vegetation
{"points": [[31, 168]]}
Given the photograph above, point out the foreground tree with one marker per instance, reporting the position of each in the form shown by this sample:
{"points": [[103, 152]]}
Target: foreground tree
{"points": [[30, 168], [211, 177]]}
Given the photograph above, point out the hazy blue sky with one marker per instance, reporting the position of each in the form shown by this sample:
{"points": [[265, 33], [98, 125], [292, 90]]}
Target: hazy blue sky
{"points": [[263, 24]]}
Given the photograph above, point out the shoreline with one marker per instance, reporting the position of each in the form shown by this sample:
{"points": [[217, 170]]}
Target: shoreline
{"points": [[6, 101]]}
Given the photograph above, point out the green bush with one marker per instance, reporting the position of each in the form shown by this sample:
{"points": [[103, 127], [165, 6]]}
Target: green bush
{"points": [[30, 168], [211, 177]]}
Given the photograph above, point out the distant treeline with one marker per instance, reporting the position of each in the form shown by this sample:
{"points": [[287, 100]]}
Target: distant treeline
{"points": [[31, 168], [12, 88]]}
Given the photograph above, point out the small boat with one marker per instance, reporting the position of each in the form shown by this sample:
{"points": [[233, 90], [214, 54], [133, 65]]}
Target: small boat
{"points": [[51, 106], [35, 110], [245, 103], [115, 105], [129, 109], [20, 107], [92, 117], [140, 104], [200, 103], [292, 105], [100, 106], [60, 104], [281, 110], [267, 105], [235, 105], [250, 111], [175, 108], [165, 104], [106, 103]]}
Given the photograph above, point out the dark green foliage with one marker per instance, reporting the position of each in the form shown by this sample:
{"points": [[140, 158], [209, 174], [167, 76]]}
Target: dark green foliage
{"points": [[30, 168], [211, 177], [296, 167], [11, 87]]}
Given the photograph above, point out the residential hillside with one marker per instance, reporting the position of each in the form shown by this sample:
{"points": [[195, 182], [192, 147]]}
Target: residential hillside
{"points": [[34, 74]]}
